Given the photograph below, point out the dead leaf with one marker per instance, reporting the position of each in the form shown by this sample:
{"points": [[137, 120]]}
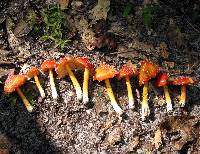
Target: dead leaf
{"points": [[158, 138], [106, 40], [100, 10], [133, 143], [184, 126], [22, 28], [114, 136], [14, 42], [175, 35], [4, 151], [163, 50], [63, 4], [106, 126], [88, 36]]}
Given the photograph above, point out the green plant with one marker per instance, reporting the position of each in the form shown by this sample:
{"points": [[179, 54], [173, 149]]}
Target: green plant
{"points": [[127, 10], [53, 19], [148, 14]]}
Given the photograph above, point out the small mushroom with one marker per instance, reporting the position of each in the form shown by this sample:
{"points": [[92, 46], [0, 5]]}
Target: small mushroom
{"points": [[162, 81], [183, 81], [88, 69], [34, 72], [50, 65], [12, 83], [105, 72], [127, 71], [147, 71], [63, 67]]}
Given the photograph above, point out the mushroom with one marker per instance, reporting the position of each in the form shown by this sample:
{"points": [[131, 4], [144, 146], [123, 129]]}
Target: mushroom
{"points": [[147, 71], [63, 67], [34, 72], [162, 81], [50, 65], [183, 81], [88, 67], [127, 71], [12, 83], [105, 72]]}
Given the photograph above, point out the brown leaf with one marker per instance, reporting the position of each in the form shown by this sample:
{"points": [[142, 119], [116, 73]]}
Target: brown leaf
{"points": [[158, 138], [163, 50], [63, 4], [87, 35], [114, 136], [133, 143], [100, 10], [4, 151]]}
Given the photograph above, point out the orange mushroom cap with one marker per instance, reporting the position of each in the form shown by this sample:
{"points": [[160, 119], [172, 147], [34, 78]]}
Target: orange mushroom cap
{"points": [[162, 79], [84, 62], [147, 71], [33, 71], [48, 64], [60, 66], [127, 70], [105, 71], [183, 80], [13, 82]]}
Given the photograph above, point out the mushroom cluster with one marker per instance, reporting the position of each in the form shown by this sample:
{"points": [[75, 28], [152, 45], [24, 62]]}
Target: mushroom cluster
{"points": [[65, 66]]}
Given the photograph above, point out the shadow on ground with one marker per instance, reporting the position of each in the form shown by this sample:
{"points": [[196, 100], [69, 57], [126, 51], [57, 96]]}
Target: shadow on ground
{"points": [[19, 130]]}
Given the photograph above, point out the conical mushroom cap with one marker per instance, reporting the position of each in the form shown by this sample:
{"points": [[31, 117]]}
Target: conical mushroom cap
{"points": [[84, 62], [183, 80], [147, 71], [127, 70], [48, 64], [105, 71], [33, 71], [13, 82], [162, 80]]}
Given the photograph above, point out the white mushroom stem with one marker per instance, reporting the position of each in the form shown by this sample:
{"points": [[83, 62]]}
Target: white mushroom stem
{"points": [[130, 93], [145, 106], [52, 84], [85, 85], [112, 97], [183, 95], [74, 82], [37, 82], [28, 106], [167, 98]]}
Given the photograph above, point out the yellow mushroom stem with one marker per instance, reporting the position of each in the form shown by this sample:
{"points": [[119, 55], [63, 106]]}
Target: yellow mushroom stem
{"points": [[28, 106], [167, 98], [85, 85], [52, 84], [145, 106], [130, 93], [183, 95], [37, 82], [74, 82], [112, 97]]}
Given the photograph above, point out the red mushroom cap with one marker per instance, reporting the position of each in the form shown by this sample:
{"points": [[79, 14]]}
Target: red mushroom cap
{"points": [[147, 71], [48, 64], [183, 80], [104, 71], [127, 70], [13, 82], [60, 68], [33, 71], [84, 63], [162, 79]]}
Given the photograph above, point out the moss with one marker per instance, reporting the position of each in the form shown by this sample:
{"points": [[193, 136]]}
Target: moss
{"points": [[53, 19]]}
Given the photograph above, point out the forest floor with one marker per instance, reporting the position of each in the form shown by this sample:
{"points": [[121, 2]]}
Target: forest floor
{"points": [[165, 32]]}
